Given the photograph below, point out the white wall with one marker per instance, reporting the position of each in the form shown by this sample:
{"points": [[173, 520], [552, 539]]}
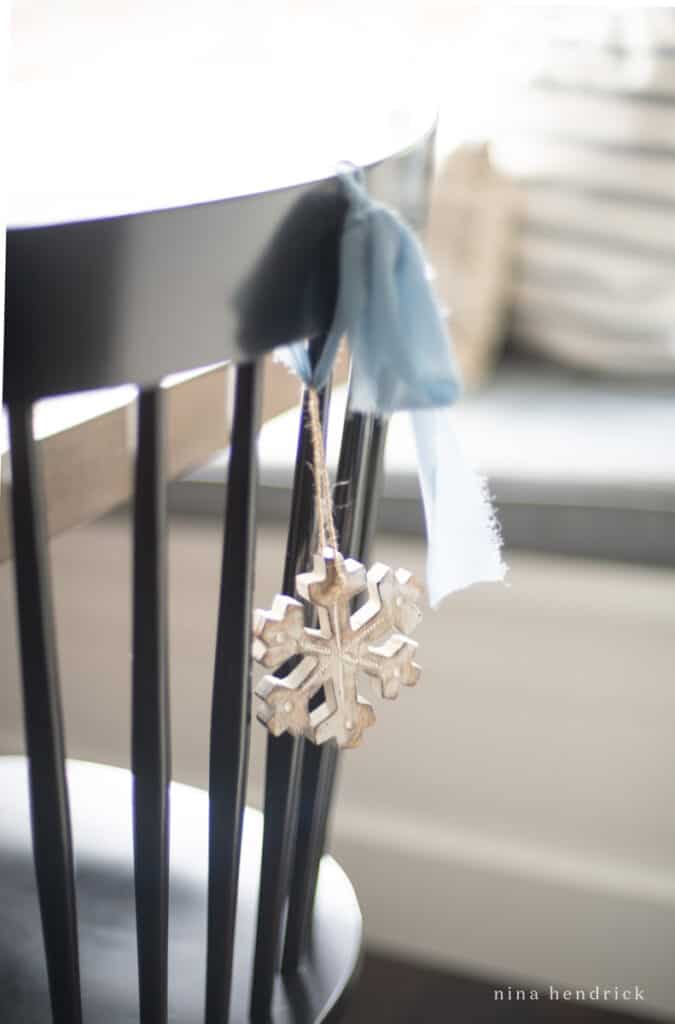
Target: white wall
{"points": [[513, 815]]}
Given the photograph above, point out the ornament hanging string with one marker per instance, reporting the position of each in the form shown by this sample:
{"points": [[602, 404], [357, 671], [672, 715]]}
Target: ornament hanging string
{"points": [[323, 498]]}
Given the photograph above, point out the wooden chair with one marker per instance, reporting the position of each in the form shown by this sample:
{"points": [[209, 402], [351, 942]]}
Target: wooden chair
{"points": [[123, 896]]}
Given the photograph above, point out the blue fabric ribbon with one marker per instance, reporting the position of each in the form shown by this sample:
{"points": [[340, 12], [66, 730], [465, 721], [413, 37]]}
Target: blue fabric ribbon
{"points": [[401, 354], [402, 359]]}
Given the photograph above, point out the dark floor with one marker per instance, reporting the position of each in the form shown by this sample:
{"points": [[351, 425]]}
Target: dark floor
{"points": [[395, 992]]}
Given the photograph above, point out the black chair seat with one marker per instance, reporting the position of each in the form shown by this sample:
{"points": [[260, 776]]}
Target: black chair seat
{"points": [[101, 808]]}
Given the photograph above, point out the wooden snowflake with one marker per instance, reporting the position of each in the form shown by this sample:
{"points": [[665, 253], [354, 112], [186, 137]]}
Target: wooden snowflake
{"points": [[372, 640]]}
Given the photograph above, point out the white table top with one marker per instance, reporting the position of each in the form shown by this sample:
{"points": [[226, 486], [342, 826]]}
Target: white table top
{"points": [[118, 107]]}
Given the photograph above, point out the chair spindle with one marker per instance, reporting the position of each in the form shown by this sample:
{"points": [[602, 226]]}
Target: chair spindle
{"points": [[355, 511], [50, 815], [284, 753], [150, 745], [231, 700]]}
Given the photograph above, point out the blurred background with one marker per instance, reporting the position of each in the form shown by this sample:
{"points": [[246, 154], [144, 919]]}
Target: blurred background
{"points": [[512, 819]]}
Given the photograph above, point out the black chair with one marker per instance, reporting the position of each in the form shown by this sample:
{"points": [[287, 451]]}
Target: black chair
{"points": [[98, 923]]}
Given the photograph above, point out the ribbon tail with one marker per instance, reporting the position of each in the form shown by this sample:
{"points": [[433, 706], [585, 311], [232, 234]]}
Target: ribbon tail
{"points": [[464, 542]]}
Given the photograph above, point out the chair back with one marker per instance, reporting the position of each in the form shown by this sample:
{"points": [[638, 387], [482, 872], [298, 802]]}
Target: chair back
{"points": [[130, 300]]}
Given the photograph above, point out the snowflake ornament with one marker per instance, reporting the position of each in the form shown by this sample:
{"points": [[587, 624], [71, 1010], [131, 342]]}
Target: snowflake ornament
{"points": [[373, 641]]}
